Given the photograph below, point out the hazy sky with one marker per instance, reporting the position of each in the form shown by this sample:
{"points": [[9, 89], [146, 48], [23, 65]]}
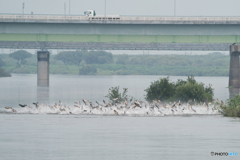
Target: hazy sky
{"points": [[126, 7]]}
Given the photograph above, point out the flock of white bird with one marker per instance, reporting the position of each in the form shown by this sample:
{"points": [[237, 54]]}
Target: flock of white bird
{"points": [[156, 108]]}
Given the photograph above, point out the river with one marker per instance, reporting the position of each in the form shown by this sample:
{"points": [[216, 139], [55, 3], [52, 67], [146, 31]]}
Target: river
{"points": [[53, 136], [22, 88]]}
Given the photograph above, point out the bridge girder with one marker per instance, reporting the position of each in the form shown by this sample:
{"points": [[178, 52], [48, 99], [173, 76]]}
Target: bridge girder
{"points": [[115, 46]]}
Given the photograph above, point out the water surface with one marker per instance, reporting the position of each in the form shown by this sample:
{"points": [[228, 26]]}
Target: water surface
{"points": [[54, 137], [70, 88]]}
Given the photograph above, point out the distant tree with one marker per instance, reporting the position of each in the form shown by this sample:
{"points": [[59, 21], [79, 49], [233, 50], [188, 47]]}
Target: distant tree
{"points": [[138, 60], [98, 57], [2, 63], [70, 57], [20, 56], [87, 70], [92, 57], [122, 59], [215, 53]]}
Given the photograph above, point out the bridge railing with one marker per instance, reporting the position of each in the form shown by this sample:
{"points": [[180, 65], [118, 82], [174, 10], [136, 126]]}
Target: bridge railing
{"points": [[181, 18], [42, 17], [113, 18]]}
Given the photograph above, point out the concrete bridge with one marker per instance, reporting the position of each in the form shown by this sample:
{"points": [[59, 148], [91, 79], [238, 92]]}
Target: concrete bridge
{"points": [[117, 33]]}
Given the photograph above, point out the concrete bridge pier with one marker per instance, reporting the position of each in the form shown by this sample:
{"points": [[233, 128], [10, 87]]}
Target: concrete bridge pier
{"points": [[234, 74], [43, 68]]}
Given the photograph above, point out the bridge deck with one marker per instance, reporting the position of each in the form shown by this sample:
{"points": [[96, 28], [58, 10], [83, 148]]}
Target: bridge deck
{"points": [[118, 33]]}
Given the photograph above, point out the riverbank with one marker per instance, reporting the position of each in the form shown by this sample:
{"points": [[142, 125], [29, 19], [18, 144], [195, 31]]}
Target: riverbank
{"points": [[173, 65]]}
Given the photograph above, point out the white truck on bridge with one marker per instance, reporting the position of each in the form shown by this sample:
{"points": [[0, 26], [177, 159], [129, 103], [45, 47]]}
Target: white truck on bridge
{"points": [[92, 15]]}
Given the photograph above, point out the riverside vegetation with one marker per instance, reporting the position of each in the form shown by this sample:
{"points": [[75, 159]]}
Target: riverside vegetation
{"points": [[114, 95], [104, 63], [231, 108], [165, 90], [186, 91], [2, 72], [190, 89]]}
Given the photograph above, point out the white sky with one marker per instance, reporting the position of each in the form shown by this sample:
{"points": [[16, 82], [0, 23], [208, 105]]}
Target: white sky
{"points": [[126, 7]]}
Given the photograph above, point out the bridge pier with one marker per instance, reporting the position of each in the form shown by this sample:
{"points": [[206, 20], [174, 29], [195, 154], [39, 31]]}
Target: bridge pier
{"points": [[234, 74], [43, 68]]}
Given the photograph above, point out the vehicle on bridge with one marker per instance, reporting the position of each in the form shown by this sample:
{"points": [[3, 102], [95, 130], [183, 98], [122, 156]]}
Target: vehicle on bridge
{"points": [[92, 15]]}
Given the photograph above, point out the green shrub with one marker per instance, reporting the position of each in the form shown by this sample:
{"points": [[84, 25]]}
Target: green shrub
{"points": [[232, 107], [182, 90], [4, 74], [191, 89], [161, 89], [88, 70], [114, 93]]}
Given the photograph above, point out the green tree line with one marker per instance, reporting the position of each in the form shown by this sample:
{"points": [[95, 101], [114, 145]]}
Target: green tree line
{"points": [[90, 57], [2, 72], [104, 63]]}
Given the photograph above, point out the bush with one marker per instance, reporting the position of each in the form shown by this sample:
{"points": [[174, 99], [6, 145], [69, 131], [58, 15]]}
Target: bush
{"points": [[190, 90], [232, 107], [182, 90], [161, 89], [114, 93], [4, 74], [87, 70]]}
